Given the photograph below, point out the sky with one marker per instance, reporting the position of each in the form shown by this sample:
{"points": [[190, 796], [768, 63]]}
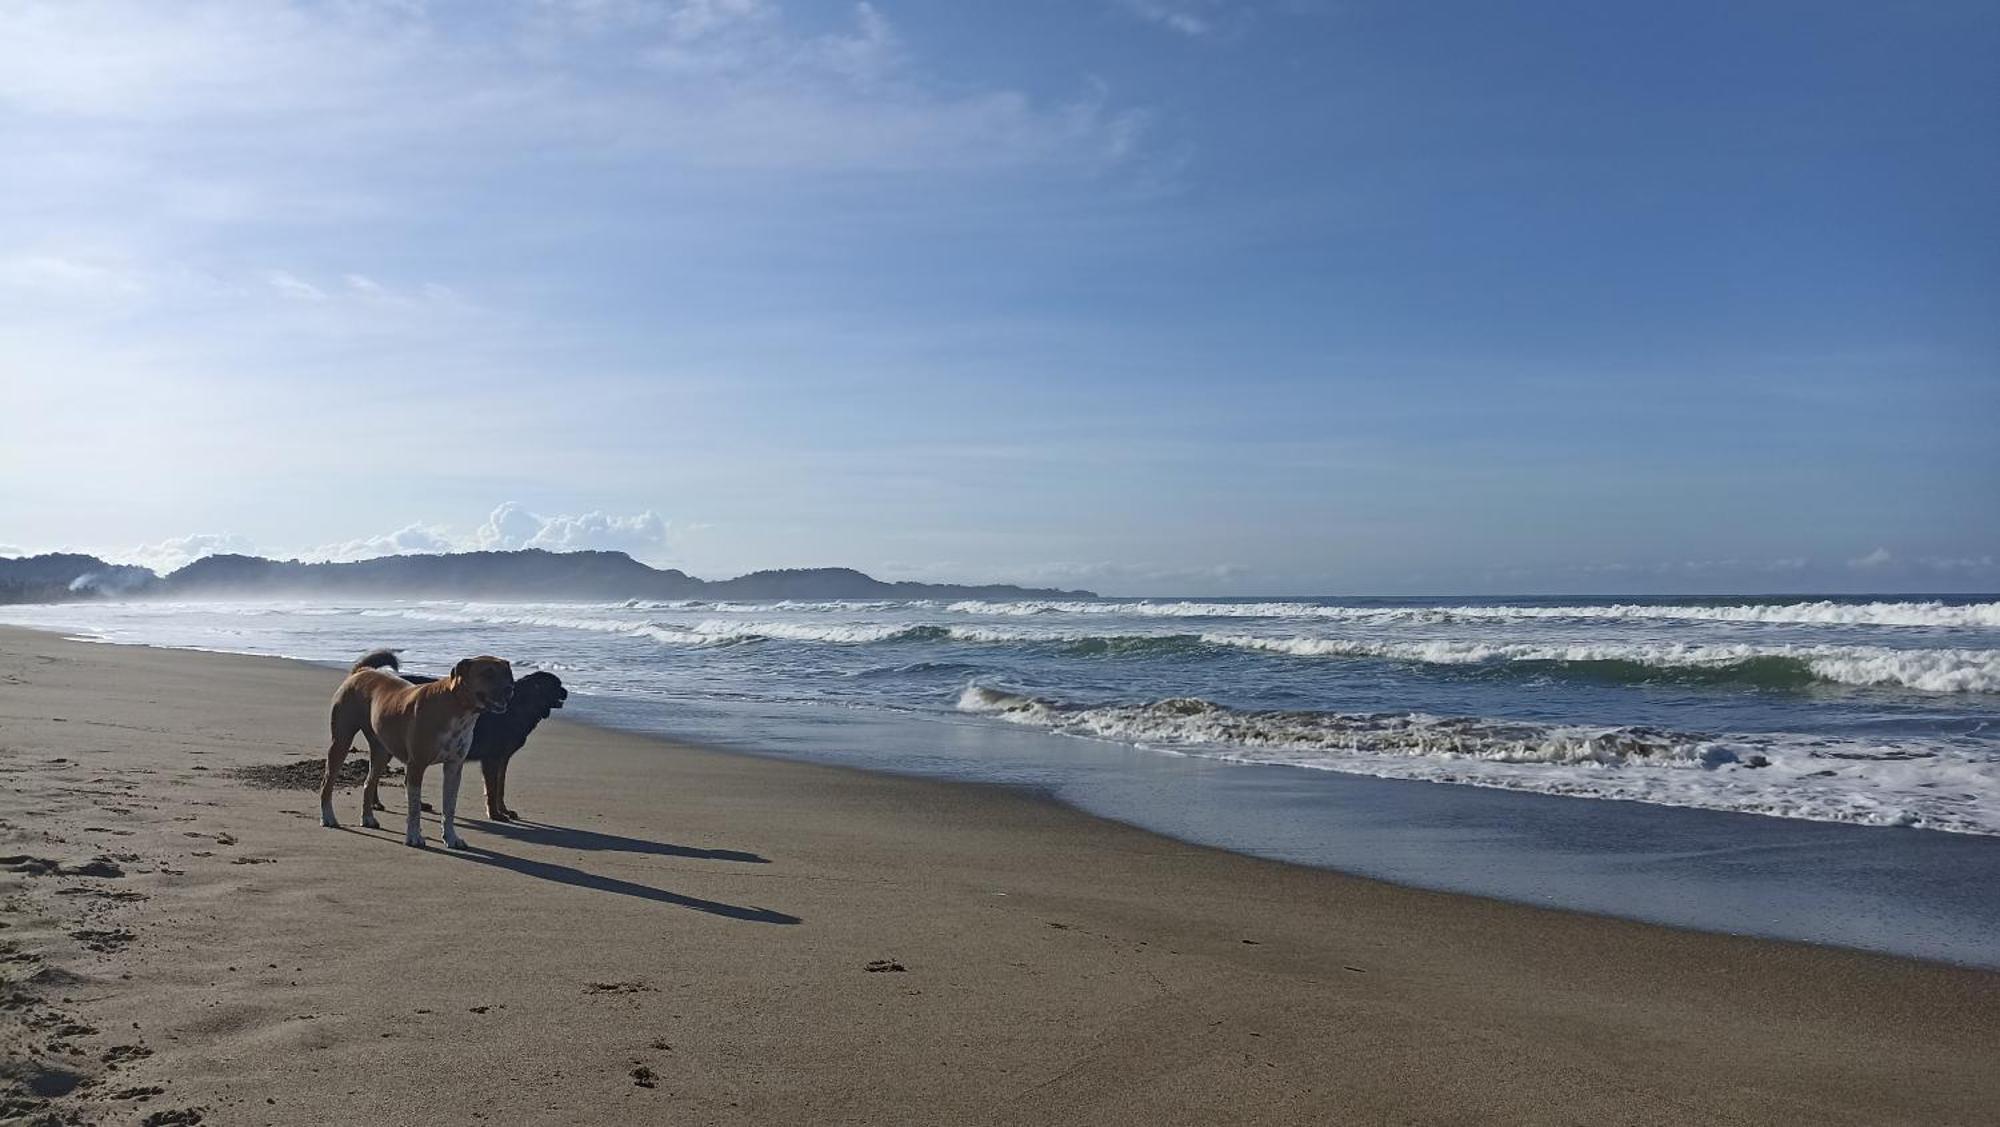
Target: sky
{"points": [[1146, 296]]}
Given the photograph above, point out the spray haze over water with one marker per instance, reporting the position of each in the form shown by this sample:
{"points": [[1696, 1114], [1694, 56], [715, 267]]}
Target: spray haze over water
{"points": [[1872, 711]]}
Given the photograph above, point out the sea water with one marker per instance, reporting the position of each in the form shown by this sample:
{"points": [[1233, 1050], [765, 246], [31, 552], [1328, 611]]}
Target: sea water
{"points": [[1255, 725]]}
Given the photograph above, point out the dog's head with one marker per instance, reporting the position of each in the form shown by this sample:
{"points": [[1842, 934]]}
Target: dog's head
{"points": [[489, 679], [539, 692]]}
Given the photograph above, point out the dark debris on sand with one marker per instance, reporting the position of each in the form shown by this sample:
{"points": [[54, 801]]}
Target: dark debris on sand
{"points": [[305, 774]]}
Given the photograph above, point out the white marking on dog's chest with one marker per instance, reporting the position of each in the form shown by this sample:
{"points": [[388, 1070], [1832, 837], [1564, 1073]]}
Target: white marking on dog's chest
{"points": [[455, 742]]}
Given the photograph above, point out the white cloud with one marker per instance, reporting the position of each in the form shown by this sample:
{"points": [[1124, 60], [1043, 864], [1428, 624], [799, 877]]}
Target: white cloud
{"points": [[1880, 557], [511, 526], [179, 551], [411, 539]]}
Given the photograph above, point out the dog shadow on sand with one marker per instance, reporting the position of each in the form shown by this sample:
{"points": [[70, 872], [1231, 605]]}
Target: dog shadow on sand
{"points": [[592, 840]]}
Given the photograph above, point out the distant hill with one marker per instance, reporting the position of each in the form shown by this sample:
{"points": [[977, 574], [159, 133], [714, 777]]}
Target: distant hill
{"points": [[532, 574], [65, 576]]}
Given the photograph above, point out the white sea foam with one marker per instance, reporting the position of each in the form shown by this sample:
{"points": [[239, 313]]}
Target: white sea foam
{"points": [[1927, 784], [708, 632], [1926, 670], [1819, 613], [1938, 670]]}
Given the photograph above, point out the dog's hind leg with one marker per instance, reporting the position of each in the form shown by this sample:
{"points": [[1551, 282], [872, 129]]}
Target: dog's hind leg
{"points": [[378, 762], [336, 753], [413, 782], [453, 768]]}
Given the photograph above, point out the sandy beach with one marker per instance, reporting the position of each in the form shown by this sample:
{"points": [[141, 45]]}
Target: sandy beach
{"points": [[683, 935]]}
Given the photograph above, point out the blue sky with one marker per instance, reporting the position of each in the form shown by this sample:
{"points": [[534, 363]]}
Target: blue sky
{"points": [[1178, 296]]}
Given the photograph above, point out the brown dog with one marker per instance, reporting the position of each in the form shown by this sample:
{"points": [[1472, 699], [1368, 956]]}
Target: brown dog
{"points": [[418, 724]]}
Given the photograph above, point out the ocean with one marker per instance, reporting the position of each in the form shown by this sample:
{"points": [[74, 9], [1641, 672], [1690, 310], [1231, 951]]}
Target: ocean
{"points": [[1528, 748]]}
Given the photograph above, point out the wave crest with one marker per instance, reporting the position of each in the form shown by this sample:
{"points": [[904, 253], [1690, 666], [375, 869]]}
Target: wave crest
{"points": [[1929, 785], [1778, 667], [1822, 612]]}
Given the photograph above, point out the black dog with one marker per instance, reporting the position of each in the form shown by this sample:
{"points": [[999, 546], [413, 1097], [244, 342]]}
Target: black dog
{"points": [[497, 736]]}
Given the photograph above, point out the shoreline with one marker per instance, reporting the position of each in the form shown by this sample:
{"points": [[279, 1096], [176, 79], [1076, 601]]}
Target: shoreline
{"points": [[726, 906], [1830, 884]]}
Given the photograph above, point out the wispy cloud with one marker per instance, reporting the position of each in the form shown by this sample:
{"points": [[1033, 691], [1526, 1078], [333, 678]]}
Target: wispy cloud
{"points": [[1967, 564], [57, 277], [1104, 576], [168, 155], [705, 82], [291, 286], [1193, 18]]}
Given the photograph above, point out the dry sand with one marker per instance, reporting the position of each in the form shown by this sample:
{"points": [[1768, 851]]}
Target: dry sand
{"points": [[686, 936]]}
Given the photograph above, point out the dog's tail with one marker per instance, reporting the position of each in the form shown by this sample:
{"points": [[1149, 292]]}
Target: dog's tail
{"points": [[377, 659]]}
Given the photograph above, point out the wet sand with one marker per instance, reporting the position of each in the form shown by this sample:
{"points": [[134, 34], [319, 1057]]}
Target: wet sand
{"points": [[685, 935]]}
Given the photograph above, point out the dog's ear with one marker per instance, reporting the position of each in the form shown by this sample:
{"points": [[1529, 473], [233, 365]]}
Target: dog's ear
{"points": [[462, 669]]}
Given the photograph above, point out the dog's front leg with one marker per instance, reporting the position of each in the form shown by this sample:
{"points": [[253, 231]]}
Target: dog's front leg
{"points": [[506, 811], [489, 771], [453, 768], [413, 785]]}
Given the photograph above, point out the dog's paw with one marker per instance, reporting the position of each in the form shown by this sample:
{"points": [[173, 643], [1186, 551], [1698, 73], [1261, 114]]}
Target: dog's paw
{"points": [[368, 821], [455, 843], [329, 821], [414, 841]]}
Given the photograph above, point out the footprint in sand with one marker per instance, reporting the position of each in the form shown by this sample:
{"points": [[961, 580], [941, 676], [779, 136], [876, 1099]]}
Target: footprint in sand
{"points": [[103, 893], [141, 1094], [103, 939], [125, 1054]]}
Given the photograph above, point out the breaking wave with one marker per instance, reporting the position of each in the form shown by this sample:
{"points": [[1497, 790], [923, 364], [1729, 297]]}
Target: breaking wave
{"points": [[1925, 785], [1773, 667], [1823, 612]]}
